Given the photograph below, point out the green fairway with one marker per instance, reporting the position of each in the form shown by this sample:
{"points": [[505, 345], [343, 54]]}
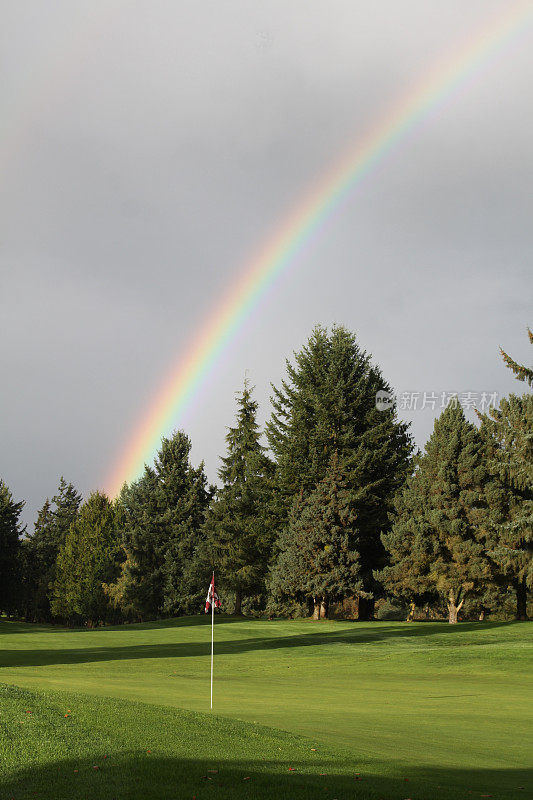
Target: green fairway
{"points": [[449, 708]]}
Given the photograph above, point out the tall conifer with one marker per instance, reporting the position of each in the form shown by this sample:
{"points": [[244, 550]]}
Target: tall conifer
{"points": [[240, 525], [438, 542], [509, 433], [11, 531], [42, 547], [87, 559], [327, 405], [163, 515]]}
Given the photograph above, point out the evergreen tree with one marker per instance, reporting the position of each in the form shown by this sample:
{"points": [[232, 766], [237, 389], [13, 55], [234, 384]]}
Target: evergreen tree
{"points": [[118, 591], [163, 514], [66, 506], [11, 532], [327, 405], [35, 585], [318, 558], [87, 559], [42, 548], [240, 525], [509, 432], [141, 537], [438, 542], [522, 372]]}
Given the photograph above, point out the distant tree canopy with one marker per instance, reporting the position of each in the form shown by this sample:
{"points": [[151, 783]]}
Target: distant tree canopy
{"points": [[336, 512]]}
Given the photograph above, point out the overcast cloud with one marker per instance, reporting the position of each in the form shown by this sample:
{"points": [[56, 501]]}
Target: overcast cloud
{"points": [[148, 149]]}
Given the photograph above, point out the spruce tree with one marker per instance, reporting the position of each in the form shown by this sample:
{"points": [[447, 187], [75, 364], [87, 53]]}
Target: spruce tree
{"points": [[317, 553], [163, 514], [142, 583], [11, 531], [509, 433], [438, 542], [42, 548], [240, 525], [35, 581], [87, 559], [66, 506], [326, 405]]}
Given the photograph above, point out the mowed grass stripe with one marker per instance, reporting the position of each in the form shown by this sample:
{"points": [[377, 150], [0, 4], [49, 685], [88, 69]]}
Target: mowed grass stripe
{"points": [[72, 746], [393, 696]]}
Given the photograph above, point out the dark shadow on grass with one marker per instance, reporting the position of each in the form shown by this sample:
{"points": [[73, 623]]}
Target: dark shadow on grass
{"points": [[147, 775], [9, 627], [377, 632], [198, 620], [18, 626]]}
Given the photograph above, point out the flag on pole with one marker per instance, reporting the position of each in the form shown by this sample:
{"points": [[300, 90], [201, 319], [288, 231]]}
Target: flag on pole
{"points": [[212, 596], [211, 603]]}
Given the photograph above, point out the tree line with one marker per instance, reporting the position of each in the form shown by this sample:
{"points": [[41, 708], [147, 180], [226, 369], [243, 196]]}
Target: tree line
{"points": [[339, 508]]}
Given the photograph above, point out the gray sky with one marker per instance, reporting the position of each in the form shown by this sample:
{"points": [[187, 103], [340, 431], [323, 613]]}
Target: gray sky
{"points": [[147, 149]]}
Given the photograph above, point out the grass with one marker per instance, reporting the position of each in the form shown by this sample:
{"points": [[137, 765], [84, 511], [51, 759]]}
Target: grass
{"points": [[449, 708]]}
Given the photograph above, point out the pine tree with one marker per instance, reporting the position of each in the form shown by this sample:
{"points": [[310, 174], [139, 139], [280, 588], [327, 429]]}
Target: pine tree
{"points": [[509, 431], [240, 525], [11, 531], [42, 547], [438, 542], [327, 405], [318, 558], [163, 514], [87, 559]]}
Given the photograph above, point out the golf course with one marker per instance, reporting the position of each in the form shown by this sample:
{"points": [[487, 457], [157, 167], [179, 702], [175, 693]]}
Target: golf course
{"points": [[301, 710]]}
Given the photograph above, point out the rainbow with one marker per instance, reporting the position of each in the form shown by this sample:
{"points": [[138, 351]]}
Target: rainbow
{"points": [[188, 374]]}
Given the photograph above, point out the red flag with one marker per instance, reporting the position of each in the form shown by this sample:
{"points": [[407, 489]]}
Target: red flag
{"points": [[212, 596]]}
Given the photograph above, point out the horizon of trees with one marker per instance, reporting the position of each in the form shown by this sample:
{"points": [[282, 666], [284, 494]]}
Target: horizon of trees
{"points": [[338, 515]]}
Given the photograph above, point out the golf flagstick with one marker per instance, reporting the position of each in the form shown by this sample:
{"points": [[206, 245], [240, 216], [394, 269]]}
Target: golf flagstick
{"points": [[212, 634], [210, 603]]}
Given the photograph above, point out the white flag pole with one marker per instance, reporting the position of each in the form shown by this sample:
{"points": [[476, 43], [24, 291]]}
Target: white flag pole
{"points": [[212, 634]]}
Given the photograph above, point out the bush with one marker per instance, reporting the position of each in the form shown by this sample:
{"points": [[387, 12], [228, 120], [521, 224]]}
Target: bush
{"points": [[389, 610]]}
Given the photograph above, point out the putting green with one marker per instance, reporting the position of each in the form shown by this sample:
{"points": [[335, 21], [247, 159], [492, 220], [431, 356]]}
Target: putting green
{"points": [[451, 705]]}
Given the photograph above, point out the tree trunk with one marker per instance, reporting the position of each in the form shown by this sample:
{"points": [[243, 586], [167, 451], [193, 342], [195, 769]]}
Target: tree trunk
{"points": [[453, 609], [521, 601], [324, 608], [316, 608], [366, 608], [237, 611]]}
